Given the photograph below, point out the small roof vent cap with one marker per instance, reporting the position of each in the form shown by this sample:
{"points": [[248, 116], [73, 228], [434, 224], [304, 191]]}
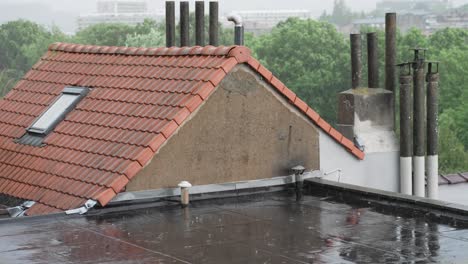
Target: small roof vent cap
{"points": [[184, 184]]}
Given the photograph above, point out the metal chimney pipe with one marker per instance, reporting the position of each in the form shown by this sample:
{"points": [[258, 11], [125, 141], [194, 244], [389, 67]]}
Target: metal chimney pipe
{"points": [[238, 29], [200, 23], [214, 14], [170, 23], [406, 140], [418, 123], [390, 53], [184, 24], [356, 62], [372, 60], [432, 79]]}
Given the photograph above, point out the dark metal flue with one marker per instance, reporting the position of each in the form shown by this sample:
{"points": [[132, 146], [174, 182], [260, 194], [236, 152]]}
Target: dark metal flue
{"points": [[170, 23], [372, 60], [214, 17], [356, 60], [184, 24], [200, 23]]}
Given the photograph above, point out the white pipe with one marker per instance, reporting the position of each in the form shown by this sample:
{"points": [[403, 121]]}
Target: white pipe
{"points": [[236, 19], [406, 179], [419, 181], [433, 176]]}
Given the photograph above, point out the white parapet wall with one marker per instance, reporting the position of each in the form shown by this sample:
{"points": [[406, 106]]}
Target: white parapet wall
{"points": [[379, 170]]}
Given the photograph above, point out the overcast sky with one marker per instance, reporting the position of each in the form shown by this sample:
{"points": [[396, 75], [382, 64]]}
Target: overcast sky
{"points": [[63, 13]]}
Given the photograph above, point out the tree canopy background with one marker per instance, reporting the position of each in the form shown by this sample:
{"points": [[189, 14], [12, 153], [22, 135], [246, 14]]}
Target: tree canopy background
{"points": [[311, 57]]}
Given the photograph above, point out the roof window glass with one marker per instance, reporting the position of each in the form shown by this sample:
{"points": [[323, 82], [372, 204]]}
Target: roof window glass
{"points": [[55, 113]]}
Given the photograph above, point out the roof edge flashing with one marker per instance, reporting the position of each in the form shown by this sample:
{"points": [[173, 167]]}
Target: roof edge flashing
{"points": [[18, 211], [83, 209]]}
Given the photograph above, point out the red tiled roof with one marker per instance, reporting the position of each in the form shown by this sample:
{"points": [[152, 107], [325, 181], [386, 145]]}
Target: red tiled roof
{"points": [[139, 97]]}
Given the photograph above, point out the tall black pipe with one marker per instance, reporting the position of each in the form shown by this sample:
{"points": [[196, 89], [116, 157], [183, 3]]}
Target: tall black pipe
{"points": [[432, 79], [170, 23], [356, 62], [406, 140], [200, 23], [419, 135], [184, 24], [372, 60], [390, 54], [214, 17]]}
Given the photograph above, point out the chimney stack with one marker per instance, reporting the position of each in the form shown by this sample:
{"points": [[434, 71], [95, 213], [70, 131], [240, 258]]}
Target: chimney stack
{"points": [[356, 60], [390, 53], [200, 23], [419, 119], [406, 139], [214, 14], [372, 60], [432, 79], [170, 23], [184, 24]]}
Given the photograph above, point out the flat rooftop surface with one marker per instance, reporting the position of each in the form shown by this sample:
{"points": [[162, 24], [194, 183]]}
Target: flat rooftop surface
{"points": [[271, 228]]}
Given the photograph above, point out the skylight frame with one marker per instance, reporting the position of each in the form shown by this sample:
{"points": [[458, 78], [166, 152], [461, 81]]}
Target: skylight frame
{"points": [[79, 92]]}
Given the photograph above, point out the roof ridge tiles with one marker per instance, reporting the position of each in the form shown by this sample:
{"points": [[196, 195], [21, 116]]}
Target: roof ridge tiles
{"points": [[241, 53]]}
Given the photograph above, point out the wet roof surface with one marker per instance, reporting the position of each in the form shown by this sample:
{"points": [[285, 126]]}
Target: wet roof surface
{"points": [[268, 229]]}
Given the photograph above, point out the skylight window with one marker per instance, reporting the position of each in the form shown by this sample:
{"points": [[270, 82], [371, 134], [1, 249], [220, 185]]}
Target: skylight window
{"points": [[55, 113]]}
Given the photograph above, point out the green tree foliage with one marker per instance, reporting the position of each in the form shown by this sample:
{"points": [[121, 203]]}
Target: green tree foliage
{"points": [[8, 78], [112, 34], [449, 38], [311, 58], [154, 38], [453, 156], [23, 42]]}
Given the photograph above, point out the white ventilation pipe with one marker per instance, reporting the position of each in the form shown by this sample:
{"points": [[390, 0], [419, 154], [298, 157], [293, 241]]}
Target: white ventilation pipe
{"points": [[184, 192]]}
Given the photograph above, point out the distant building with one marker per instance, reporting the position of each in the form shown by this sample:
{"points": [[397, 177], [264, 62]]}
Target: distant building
{"points": [[427, 22], [412, 5], [263, 21], [129, 12], [453, 19]]}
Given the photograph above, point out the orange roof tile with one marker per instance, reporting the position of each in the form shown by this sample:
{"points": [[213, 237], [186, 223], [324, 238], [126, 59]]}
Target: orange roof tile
{"points": [[138, 99]]}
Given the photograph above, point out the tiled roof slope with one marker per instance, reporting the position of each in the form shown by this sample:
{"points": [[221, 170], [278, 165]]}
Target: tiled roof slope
{"points": [[453, 178], [139, 97]]}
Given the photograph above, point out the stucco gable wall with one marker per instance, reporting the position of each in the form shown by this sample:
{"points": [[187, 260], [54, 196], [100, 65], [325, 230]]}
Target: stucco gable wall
{"points": [[244, 131]]}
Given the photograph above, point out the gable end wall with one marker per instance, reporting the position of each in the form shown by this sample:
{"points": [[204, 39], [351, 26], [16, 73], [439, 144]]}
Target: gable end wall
{"points": [[244, 131]]}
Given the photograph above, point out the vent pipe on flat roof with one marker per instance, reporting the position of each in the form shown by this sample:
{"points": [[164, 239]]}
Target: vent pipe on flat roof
{"points": [[356, 62], [299, 180], [419, 120], [200, 23], [390, 53], [170, 23], [372, 60], [184, 24], [214, 17], [184, 193], [432, 79], [238, 29], [406, 150]]}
